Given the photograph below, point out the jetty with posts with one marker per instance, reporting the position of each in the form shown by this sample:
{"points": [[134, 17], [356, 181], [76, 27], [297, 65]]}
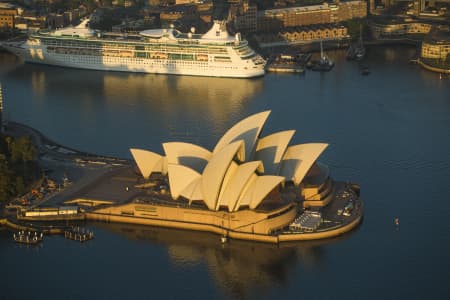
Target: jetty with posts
{"points": [[28, 237], [79, 234]]}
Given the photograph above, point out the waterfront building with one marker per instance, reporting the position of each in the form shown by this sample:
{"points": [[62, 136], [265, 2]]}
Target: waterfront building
{"points": [[170, 15], [165, 51], [435, 50], [389, 28], [436, 45], [276, 19], [303, 34], [7, 15], [248, 187], [243, 16], [348, 10], [30, 21]]}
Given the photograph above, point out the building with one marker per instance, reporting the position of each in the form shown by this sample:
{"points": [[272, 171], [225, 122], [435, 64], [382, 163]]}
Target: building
{"points": [[7, 15], [276, 19], [435, 51], [135, 26], [178, 2], [55, 21], [248, 187], [187, 12], [436, 45], [243, 16], [389, 28], [348, 10], [303, 34], [30, 21]]}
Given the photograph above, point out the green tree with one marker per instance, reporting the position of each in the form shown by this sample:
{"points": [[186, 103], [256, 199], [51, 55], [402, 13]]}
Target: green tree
{"points": [[7, 187], [22, 149]]}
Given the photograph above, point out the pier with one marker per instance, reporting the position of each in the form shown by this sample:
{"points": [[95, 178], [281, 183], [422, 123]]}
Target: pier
{"points": [[78, 234], [28, 237]]}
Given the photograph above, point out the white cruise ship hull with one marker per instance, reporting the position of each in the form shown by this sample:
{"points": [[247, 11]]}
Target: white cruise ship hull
{"points": [[39, 55]]}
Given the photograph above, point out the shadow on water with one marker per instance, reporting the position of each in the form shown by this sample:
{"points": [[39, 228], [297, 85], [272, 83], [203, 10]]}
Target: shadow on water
{"points": [[239, 268]]}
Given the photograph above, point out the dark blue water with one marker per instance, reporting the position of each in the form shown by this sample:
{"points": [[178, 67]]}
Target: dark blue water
{"points": [[389, 131]]}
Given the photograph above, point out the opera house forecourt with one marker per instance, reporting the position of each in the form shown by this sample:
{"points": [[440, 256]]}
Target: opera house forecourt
{"points": [[248, 187]]}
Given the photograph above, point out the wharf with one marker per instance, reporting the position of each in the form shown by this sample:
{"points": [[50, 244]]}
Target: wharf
{"points": [[21, 226], [77, 217], [149, 207], [432, 68], [285, 68], [78, 234]]}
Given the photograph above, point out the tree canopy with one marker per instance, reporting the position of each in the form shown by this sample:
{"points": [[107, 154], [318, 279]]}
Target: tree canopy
{"points": [[17, 156]]}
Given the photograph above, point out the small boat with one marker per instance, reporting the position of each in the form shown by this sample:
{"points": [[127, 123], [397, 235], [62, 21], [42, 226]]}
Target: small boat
{"points": [[365, 70], [350, 53], [28, 237], [360, 50], [324, 64], [303, 58]]}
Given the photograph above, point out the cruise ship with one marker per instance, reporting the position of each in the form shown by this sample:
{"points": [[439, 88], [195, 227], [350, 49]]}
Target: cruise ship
{"points": [[162, 51]]}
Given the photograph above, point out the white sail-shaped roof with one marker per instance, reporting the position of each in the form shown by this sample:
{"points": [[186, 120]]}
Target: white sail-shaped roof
{"points": [[263, 186], [224, 201], [193, 191], [222, 178], [179, 178], [245, 198], [270, 150], [247, 130], [258, 189], [298, 160], [215, 171], [229, 195], [147, 162], [187, 154]]}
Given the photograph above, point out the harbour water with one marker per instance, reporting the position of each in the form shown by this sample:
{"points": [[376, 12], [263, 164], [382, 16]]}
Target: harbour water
{"points": [[388, 131]]}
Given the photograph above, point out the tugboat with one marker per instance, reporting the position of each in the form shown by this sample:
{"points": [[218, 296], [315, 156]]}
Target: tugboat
{"points": [[324, 64], [28, 237]]}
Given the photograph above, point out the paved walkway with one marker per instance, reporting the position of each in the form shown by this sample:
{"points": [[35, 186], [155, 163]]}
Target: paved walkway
{"points": [[79, 167]]}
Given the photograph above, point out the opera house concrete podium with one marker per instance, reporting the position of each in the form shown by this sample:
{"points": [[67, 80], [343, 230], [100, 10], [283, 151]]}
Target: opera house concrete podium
{"points": [[248, 187]]}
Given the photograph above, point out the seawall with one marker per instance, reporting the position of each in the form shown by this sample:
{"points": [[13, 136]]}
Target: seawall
{"points": [[275, 238], [431, 68]]}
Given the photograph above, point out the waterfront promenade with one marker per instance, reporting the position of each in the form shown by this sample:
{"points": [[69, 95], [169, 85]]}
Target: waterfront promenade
{"points": [[112, 182]]}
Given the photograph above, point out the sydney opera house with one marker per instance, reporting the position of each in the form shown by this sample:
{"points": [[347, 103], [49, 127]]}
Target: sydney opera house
{"points": [[249, 187]]}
